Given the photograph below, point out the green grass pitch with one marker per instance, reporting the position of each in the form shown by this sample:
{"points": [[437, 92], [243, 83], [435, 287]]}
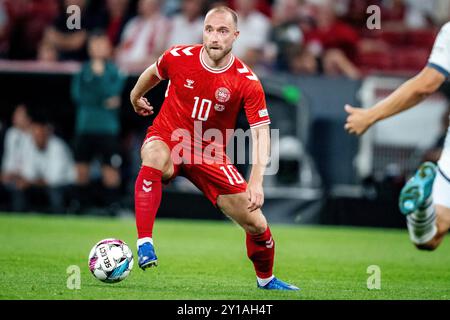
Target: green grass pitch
{"points": [[207, 260]]}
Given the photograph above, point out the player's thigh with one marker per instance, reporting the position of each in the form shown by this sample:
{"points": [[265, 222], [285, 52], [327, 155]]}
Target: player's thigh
{"points": [[156, 154], [236, 205]]}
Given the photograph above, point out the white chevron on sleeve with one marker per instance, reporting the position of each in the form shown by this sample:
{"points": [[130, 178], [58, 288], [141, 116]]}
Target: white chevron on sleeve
{"points": [[174, 52], [244, 70], [253, 77], [187, 51]]}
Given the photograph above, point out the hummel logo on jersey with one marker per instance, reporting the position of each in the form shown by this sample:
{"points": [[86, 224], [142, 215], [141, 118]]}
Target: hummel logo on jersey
{"points": [[219, 107], [189, 83], [269, 243], [147, 187]]}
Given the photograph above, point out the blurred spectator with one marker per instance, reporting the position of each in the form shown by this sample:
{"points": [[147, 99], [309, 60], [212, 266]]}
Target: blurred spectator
{"points": [[4, 22], [171, 7], [71, 43], [441, 12], [28, 20], [263, 6], [144, 38], [333, 42], [286, 36], [47, 52], [96, 91], [14, 154], [254, 30], [332, 63], [47, 168], [115, 16], [409, 14], [331, 33], [356, 12], [187, 26]]}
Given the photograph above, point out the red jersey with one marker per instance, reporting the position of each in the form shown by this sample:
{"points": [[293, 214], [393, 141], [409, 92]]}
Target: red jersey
{"points": [[197, 93]]}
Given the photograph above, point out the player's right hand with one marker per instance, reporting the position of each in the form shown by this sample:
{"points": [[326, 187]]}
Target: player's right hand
{"points": [[142, 107], [358, 120]]}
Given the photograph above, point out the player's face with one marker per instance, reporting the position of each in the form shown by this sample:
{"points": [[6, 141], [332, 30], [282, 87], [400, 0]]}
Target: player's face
{"points": [[219, 33]]}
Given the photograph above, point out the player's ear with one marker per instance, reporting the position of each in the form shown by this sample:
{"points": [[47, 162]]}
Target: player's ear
{"points": [[236, 34]]}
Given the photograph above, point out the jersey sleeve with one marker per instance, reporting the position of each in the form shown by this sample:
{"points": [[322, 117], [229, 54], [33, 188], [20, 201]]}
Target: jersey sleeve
{"points": [[255, 105], [440, 55], [165, 64]]}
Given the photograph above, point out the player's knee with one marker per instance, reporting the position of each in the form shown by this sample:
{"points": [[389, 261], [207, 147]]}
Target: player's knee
{"points": [[256, 227], [256, 223], [155, 156]]}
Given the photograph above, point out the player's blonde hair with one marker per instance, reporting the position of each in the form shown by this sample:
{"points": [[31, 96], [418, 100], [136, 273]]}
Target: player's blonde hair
{"points": [[225, 9]]}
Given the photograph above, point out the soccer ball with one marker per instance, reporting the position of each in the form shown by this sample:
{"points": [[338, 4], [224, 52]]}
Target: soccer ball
{"points": [[110, 260]]}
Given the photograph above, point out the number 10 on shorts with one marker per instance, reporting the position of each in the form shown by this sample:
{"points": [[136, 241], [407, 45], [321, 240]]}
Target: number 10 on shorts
{"points": [[232, 174]]}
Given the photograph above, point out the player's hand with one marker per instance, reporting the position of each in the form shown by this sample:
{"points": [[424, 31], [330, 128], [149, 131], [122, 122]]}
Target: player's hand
{"points": [[358, 120], [142, 107], [255, 194]]}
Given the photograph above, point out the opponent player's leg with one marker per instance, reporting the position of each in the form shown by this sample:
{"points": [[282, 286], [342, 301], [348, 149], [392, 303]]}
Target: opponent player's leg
{"points": [[156, 166], [442, 227], [423, 201], [259, 240]]}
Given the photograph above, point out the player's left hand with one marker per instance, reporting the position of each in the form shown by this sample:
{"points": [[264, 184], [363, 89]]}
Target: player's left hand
{"points": [[358, 120], [255, 196], [142, 107]]}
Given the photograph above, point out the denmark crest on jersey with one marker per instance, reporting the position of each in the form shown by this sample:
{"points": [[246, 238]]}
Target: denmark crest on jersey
{"points": [[223, 94]]}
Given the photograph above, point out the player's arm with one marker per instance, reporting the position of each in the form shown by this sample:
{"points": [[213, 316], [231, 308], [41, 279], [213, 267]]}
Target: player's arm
{"points": [[404, 97], [147, 80], [260, 157]]}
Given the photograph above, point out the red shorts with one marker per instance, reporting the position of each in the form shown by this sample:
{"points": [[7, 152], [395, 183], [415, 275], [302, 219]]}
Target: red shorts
{"points": [[213, 179]]}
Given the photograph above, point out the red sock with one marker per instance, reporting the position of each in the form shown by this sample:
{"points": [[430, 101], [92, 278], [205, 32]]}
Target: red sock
{"points": [[147, 198], [261, 250]]}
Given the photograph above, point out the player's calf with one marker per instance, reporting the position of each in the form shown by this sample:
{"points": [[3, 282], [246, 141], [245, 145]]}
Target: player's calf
{"points": [[442, 226]]}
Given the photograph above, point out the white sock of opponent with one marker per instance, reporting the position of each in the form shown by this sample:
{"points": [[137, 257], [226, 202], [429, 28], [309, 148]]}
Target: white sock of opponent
{"points": [[422, 223]]}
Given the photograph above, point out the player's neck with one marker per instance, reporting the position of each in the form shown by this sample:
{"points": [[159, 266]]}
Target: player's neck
{"points": [[213, 64]]}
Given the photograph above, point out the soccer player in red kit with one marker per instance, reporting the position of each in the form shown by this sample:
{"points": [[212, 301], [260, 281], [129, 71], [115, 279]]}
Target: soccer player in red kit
{"points": [[207, 88]]}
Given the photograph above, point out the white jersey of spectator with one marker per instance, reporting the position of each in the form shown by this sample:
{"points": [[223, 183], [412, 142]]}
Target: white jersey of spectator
{"points": [[54, 164], [14, 155], [440, 60], [143, 39], [184, 31], [254, 32]]}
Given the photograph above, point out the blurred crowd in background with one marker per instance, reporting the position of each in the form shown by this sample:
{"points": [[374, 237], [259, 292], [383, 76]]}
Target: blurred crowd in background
{"points": [[120, 37], [299, 36]]}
